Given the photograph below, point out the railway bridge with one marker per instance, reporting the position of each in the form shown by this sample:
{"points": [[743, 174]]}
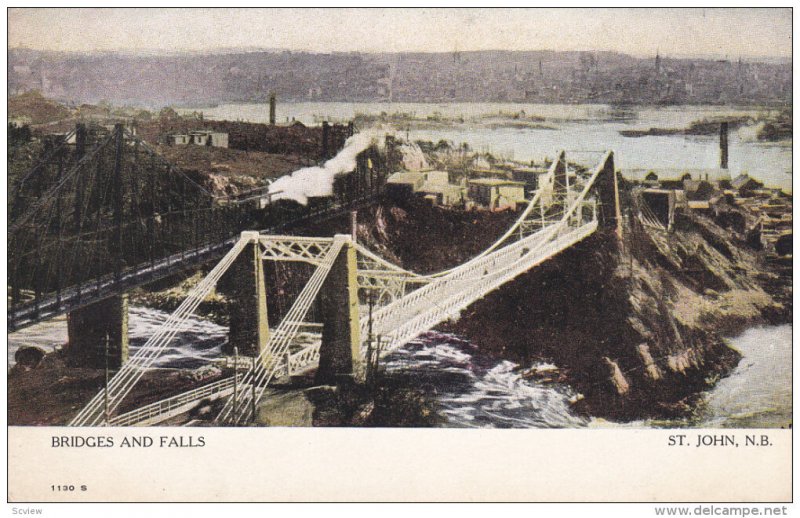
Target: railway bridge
{"points": [[102, 212]]}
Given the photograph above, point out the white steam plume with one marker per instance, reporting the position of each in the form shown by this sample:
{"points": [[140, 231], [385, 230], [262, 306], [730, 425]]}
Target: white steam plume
{"points": [[318, 181]]}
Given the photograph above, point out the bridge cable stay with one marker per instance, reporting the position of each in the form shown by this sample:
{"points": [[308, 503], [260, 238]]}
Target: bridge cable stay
{"points": [[49, 194], [41, 163], [170, 167], [122, 382], [269, 361]]}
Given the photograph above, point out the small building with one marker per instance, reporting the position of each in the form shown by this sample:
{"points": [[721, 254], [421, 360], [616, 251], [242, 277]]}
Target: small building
{"points": [[200, 138], [404, 185], [701, 206], [745, 185], [437, 177], [180, 140], [651, 180], [496, 193], [698, 189], [443, 194], [529, 176]]}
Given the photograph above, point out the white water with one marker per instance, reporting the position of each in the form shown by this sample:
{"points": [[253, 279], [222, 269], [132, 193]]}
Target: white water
{"points": [[196, 346], [474, 390], [764, 374], [477, 392]]}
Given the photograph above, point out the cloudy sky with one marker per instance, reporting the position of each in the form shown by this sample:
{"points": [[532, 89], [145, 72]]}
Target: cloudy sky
{"points": [[640, 32]]}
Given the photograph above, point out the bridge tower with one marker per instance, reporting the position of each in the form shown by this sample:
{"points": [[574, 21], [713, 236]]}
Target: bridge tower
{"points": [[608, 192], [249, 324], [340, 352], [561, 176], [98, 333]]}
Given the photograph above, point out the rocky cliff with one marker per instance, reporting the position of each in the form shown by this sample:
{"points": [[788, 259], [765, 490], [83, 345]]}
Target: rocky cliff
{"points": [[636, 325]]}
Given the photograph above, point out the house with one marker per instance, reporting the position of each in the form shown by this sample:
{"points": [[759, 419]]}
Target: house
{"points": [[443, 194], [745, 185], [698, 189], [701, 206], [529, 176], [496, 193], [200, 138], [404, 185], [179, 140]]}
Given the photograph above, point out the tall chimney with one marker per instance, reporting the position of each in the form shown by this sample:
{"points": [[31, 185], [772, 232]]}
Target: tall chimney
{"points": [[272, 108], [326, 131], [723, 145]]}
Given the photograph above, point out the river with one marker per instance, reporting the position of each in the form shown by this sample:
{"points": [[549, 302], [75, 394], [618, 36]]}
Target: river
{"points": [[471, 389], [577, 128], [475, 390]]}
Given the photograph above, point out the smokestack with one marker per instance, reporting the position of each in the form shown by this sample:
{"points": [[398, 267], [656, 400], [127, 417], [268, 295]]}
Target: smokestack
{"points": [[326, 130], [723, 145], [272, 108]]}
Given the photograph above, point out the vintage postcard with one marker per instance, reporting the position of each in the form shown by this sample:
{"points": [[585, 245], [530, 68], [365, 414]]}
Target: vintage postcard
{"points": [[399, 255]]}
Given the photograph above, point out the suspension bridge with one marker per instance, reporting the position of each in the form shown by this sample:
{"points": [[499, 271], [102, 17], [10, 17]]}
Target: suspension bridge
{"points": [[102, 212], [370, 307]]}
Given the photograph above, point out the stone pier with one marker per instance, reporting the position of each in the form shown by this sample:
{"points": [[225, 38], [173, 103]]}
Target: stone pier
{"points": [[340, 352], [98, 329]]}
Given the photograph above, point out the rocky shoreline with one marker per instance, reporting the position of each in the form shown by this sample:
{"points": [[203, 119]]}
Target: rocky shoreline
{"points": [[637, 326]]}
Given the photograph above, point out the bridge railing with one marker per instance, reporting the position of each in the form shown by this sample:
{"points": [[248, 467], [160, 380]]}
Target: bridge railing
{"points": [[165, 407]]}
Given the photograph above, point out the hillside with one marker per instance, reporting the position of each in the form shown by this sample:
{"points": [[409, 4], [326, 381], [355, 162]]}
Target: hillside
{"points": [[520, 76]]}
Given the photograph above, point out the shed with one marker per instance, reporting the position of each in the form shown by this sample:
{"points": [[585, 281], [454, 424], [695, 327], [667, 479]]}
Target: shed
{"points": [[404, 184], [496, 193], [744, 184], [528, 175]]}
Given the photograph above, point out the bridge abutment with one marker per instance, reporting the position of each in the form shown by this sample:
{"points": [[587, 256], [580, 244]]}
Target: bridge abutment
{"points": [[340, 352], [98, 330], [249, 324]]}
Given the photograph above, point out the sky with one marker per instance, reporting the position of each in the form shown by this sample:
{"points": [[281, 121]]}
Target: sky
{"points": [[640, 32]]}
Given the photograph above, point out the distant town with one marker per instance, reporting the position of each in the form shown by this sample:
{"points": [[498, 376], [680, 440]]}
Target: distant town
{"points": [[480, 76]]}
